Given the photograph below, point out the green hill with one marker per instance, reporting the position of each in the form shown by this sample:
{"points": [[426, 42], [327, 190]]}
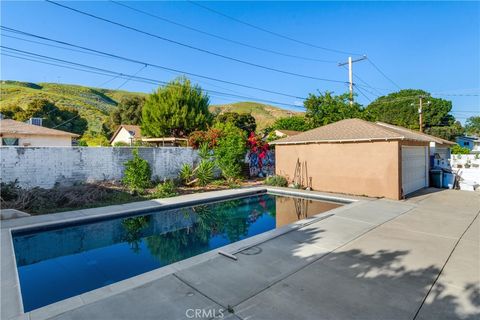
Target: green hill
{"points": [[264, 114], [95, 104]]}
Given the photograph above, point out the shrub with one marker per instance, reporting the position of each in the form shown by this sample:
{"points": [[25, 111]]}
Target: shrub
{"points": [[186, 174], [166, 189], [456, 149], [137, 175], [211, 136], [121, 144], [38, 200], [204, 172], [204, 151], [230, 150], [9, 191], [277, 181]]}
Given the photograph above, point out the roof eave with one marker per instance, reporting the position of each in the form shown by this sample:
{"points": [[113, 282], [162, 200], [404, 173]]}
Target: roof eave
{"points": [[341, 141]]}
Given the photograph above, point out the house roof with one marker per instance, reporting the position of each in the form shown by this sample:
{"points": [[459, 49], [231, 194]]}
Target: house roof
{"points": [[9, 126], [288, 132], [356, 130], [413, 134], [469, 138], [136, 130]]}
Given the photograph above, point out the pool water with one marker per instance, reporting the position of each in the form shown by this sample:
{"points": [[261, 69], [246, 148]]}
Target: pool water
{"points": [[60, 263]]}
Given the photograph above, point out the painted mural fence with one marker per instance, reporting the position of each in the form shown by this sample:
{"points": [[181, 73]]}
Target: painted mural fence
{"points": [[260, 158]]}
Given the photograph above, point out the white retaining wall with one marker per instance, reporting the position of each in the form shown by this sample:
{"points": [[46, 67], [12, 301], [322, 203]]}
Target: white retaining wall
{"points": [[46, 166]]}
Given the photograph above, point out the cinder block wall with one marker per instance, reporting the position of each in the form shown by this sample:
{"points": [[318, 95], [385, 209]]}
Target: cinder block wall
{"points": [[46, 166]]}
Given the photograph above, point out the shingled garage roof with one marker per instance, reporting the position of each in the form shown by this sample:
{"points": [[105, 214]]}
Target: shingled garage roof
{"points": [[413, 134], [356, 130], [9, 126]]}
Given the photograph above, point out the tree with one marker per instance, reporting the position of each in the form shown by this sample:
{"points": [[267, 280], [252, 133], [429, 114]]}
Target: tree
{"points": [[65, 119], [296, 123], [128, 111], [176, 110], [10, 112], [472, 126], [230, 150], [244, 121], [326, 108], [401, 108], [449, 132]]}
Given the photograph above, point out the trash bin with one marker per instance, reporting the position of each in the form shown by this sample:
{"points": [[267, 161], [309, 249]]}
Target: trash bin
{"points": [[448, 180], [436, 178]]}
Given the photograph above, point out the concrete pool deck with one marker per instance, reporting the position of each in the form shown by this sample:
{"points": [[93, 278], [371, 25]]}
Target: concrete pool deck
{"points": [[372, 259]]}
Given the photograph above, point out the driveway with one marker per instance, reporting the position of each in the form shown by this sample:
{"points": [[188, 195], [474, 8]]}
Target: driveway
{"points": [[380, 259]]}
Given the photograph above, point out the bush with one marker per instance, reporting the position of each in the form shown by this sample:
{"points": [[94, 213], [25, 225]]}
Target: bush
{"points": [[166, 190], [186, 174], [38, 200], [230, 150], [204, 151], [456, 149], [137, 175], [276, 181], [204, 172], [121, 144]]}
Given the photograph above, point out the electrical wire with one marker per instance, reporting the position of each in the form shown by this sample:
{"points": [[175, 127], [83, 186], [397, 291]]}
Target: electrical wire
{"points": [[271, 32], [111, 55], [383, 74], [253, 64], [133, 77], [218, 36]]}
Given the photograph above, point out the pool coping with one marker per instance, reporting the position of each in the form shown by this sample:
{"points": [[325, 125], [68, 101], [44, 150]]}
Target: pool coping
{"points": [[10, 287]]}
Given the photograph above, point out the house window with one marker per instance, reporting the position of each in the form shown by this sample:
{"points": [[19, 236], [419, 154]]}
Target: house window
{"points": [[466, 143], [10, 141]]}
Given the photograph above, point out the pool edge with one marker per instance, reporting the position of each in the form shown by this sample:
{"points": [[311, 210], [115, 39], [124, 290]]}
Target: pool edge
{"points": [[144, 278]]}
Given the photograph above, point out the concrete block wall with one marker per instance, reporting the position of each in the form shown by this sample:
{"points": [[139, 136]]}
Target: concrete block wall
{"points": [[47, 166]]}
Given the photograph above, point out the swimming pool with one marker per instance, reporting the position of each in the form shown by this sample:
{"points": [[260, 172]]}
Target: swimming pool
{"points": [[68, 260]]}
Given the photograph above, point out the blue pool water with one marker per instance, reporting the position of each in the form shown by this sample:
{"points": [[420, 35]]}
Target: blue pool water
{"points": [[60, 263]]}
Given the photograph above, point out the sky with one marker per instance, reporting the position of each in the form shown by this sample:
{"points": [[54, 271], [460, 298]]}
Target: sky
{"points": [[434, 46]]}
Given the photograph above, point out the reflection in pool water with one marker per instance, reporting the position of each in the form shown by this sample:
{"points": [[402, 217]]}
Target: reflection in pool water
{"points": [[56, 264]]}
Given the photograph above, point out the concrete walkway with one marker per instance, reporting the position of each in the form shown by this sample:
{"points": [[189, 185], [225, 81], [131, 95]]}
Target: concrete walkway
{"points": [[416, 259]]}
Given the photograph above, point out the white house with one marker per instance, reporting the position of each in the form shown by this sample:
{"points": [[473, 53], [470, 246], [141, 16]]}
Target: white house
{"points": [[16, 133], [127, 134]]}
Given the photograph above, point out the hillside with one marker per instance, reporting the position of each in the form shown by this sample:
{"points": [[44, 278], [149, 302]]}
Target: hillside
{"points": [[264, 114], [95, 104]]}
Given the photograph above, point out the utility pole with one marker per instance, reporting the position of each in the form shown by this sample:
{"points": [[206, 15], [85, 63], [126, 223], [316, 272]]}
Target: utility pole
{"points": [[350, 73], [420, 112]]}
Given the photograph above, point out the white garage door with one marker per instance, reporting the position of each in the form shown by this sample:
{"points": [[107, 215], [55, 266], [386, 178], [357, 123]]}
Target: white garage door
{"points": [[414, 169]]}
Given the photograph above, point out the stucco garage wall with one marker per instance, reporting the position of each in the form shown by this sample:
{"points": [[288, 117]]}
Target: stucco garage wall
{"points": [[46, 166], [362, 168]]}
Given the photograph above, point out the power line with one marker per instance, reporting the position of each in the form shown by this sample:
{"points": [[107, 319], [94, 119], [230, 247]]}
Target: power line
{"points": [[456, 94], [218, 36], [126, 76], [126, 81], [195, 48], [111, 55], [269, 31], [363, 94], [383, 74]]}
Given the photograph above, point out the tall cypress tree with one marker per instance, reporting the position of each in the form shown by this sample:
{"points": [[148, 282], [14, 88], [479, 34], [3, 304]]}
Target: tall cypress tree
{"points": [[176, 109]]}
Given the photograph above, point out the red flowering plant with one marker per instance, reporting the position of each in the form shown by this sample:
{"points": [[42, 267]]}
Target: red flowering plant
{"points": [[258, 146]]}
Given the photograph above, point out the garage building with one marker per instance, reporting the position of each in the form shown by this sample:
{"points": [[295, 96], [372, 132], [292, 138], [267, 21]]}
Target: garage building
{"points": [[357, 157]]}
